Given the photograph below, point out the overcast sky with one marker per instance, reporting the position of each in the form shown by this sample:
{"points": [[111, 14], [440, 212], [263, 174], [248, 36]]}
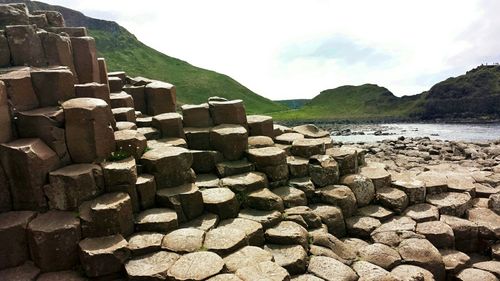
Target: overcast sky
{"points": [[284, 49]]}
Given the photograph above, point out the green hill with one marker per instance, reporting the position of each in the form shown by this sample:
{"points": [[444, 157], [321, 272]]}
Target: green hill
{"points": [[367, 101], [124, 52]]}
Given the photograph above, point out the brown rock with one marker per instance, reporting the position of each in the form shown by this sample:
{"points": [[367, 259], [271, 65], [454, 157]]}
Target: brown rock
{"points": [[260, 125], [287, 233], [207, 265], [379, 176], [93, 90], [156, 220], [204, 222], [228, 112], [25, 45], [185, 199], [422, 212], [310, 131], [89, 133], [264, 199], [143, 243], [5, 119], [170, 165], [341, 196], [103, 255], [139, 96], [454, 261], [115, 84], [450, 203], [13, 226], [392, 198], [465, 232], [61, 276], [263, 271], [361, 226], [221, 201], [198, 138], [330, 269], [361, 186], [346, 158], [160, 98], [246, 256], [307, 147], [54, 18], [27, 163], [438, 233], [332, 217], [253, 229], [85, 59], [323, 170], [225, 240], [53, 85], [13, 15], [231, 140], [408, 272], [472, 274], [26, 271], [381, 255], [53, 239], [196, 115], [126, 114], [146, 190], [169, 124], [121, 99], [184, 240], [291, 196], [19, 89], [291, 257], [151, 266], [297, 166], [131, 142], [245, 183], [421, 252], [58, 51], [266, 218]]}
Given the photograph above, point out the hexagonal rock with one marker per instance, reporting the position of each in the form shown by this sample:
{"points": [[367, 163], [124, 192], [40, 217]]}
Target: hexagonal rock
{"points": [[422, 212], [381, 255], [25, 45], [361, 186], [465, 232], [361, 226], [414, 189], [207, 265], [228, 112], [454, 261], [61, 276], [204, 222], [438, 233], [450, 203], [306, 215], [421, 252], [160, 98], [246, 256], [146, 190], [347, 159], [489, 265], [115, 84], [266, 218], [196, 115], [167, 142], [231, 140], [298, 167], [151, 266], [103, 255], [246, 182], [267, 156], [124, 114], [185, 199], [54, 18], [287, 233], [184, 240], [225, 240], [169, 125], [108, 214], [494, 202], [52, 85], [291, 196], [168, 165], [73, 184], [53, 239], [339, 195], [260, 141], [26, 163], [207, 181], [307, 147], [331, 246], [435, 182], [412, 272], [310, 131], [19, 88], [306, 277], [265, 200], [198, 138], [142, 243], [26, 271], [260, 125], [291, 257], [332, 217], [93, 90], [221, 201], [471, 274], [288, 138], [487, 220], [375, 211], [331, 269], [85, 59], [13, 229], [121, 99], [370, 271], [156, 220], [379, 176], [231, 168], [263, 271], [394, 231], [14, 14], [125, 125], [225, 277], [149, 132], [89, 133], [392, 198], [131, 142], [305, 184], [253, 229]]}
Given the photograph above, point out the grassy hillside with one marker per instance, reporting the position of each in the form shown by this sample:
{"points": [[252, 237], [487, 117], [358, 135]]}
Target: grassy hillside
{"points": [[367, 101], [124, 52], [294, 104]]}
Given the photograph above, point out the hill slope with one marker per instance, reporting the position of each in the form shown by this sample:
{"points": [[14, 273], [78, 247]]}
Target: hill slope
{"points": [[124, 52], [367, 101]]}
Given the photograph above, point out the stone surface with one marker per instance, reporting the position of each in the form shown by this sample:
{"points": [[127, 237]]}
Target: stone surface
{"points": [[185, 199], [466, 233], [139, 97], [146, 190], [88, 140], [330, 269], [287, 233], [103, 255], [142, 243], [53, 85], [228, 112], [196, 115], [307, 147], [438, 233], [264, 199], [26, 163], [260, 141], [225, 240], [266, 218], [361, 226], [245, 183], [291, 196], [85, 59], [169, 125], [422, 212], [454, 261], [19, 89], [160, 98], [169, 165], [93, 90], [25, 45], [381, 255], [263, 271], [332, 217], [392, 198], [297, 166], [26, 271], [379, 176], [207, 265], [124, 114], [13, 229], [153, 266], [67, 275], [160, 220], [487, 220], [310, 131], [260, 125], [247, 256], [408, 272], [341, 196], [361, 186], [470, 274], [253, 229], [131, 142], [53, 240], [184, 240], [221, 201], [450, 203], [346, 158], [231, 140], [291, 257], [198, 138], [421, 252]]}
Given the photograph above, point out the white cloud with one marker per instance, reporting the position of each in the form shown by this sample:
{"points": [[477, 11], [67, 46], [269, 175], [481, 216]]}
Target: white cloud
{"points": [[426, 41]]}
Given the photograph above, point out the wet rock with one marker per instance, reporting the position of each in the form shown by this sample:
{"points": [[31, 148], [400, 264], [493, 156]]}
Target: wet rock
{"points": [[103, 255], [151, 266], [184, 240], [207, 265]]}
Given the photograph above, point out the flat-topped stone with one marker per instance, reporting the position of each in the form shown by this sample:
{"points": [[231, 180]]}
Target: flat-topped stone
{"points": [[361, 226], [253, 229], [267, 156], [152, 266], [263, 271], [260, 125], [184, 240], [341, 196], [264, 199], [379, 176], [361, 186], [266, 218], [231, 140], [450, 203], [392, 198], [332, 217], [260, 141], [330, 269], [228, 112], [169, 125], [381, 255], [291, 257], [225, 240], [103, 255], [246, 256], [207, 264], [160, 97], [131, 142], [310, 131], [375, 211], [196, 115], [438, 233], [287, 233], [307, 147], [291, 196], [169, 165], [185, 199], [156, 220], [142, 243], [231, 168], [288, 138], [246, 182], [422, 212], [221, 201]]}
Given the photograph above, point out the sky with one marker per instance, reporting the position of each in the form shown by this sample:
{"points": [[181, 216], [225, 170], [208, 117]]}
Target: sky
{"points": [[289, 49]]}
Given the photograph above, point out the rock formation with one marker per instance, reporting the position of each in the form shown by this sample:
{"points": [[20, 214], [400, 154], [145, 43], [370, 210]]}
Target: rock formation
{"points": [[102, 179]]}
